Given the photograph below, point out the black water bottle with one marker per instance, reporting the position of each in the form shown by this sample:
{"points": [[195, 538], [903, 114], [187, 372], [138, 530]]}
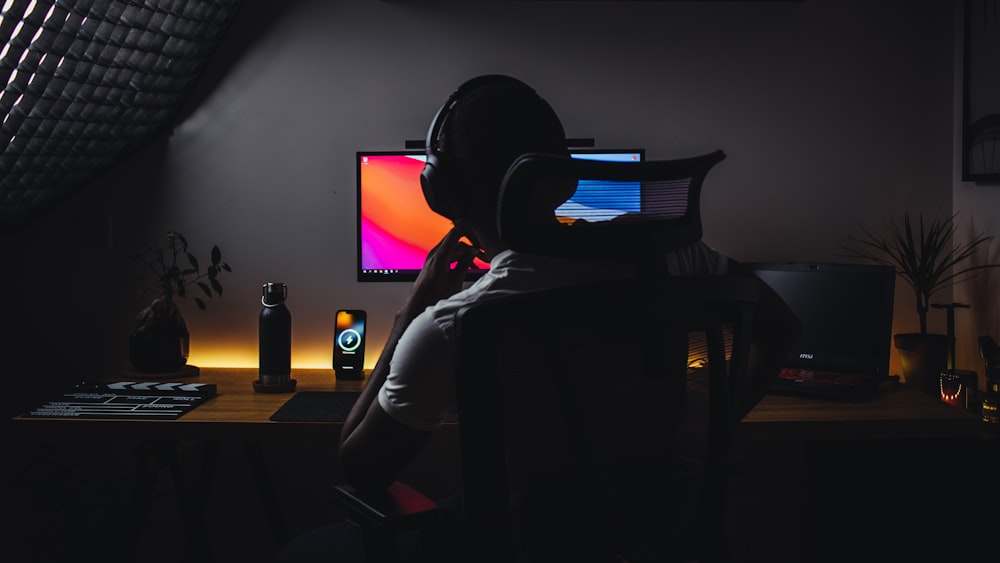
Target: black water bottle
{"points": [[275, 328]]}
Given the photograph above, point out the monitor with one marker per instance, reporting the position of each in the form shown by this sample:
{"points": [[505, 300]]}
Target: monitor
{"points": [[846, 312], [396, 229]]}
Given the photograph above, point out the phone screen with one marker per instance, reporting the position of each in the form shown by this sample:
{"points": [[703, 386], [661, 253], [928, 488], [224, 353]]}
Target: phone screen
{"points": [[349, 344]]}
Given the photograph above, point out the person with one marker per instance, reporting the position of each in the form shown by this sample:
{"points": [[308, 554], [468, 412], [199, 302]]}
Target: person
{"points": [[483, 127]]}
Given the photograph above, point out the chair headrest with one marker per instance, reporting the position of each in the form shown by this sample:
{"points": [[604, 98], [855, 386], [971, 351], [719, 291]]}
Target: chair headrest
{"points": [[636, 208]]}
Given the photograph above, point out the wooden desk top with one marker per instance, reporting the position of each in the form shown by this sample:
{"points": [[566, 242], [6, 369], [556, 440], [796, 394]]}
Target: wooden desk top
{"points": [[238, 412], [895, 412]]}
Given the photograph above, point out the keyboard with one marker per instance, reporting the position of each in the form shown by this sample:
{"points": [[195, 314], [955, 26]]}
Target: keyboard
{"points": [[818, 376]]}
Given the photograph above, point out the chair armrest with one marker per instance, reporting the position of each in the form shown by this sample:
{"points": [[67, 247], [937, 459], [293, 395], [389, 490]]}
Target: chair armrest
{"points": [[398, 507]]}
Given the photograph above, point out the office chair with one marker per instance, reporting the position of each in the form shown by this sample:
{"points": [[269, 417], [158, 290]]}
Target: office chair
{"points": [[570, 399]]}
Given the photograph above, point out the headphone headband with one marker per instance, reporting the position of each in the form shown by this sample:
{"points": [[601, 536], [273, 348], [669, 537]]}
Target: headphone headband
{"points": [[439, 180], [434, 132]]}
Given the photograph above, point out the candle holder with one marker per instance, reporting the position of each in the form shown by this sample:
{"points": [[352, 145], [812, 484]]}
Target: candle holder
{"points": [[958, 388]]}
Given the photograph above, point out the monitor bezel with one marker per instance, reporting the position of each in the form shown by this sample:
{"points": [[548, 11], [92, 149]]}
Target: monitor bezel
{"points": [[885, 276]]}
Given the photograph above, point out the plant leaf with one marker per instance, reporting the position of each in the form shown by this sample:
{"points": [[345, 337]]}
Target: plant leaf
{"points": [[205, 288], [924, 254], [161, 271]]}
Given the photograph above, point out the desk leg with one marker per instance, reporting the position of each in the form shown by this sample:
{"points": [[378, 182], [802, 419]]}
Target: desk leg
{"points": [[194, 504], [191, 503], [265, 486], [142, 498]]}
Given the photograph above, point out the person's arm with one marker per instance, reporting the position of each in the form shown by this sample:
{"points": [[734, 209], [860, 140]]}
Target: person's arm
{"points": [[775, 330], [374, 447]]}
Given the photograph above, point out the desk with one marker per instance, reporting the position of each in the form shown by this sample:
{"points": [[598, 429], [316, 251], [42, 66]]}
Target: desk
{"points": [[238, 412], [894, 412], [779, 425], [877, 480]]}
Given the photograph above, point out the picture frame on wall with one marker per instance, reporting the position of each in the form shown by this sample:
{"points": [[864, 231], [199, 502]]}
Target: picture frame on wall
{"points": [[981, 92]]}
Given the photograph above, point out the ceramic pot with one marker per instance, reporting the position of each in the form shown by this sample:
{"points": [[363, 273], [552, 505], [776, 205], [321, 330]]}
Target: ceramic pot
{"points": [[157, 354], [923, 358], [160, 341]]}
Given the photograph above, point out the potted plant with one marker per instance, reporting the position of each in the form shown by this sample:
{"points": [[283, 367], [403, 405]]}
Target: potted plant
{"points": [[159, 340], [926, 257]]}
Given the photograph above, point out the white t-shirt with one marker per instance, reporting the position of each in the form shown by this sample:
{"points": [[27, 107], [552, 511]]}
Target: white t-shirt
{"points": [[419, 390]]}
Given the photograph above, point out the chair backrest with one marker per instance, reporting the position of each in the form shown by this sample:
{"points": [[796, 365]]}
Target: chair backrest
{"points": [[664, 211], [571, 398], [570, 401]]}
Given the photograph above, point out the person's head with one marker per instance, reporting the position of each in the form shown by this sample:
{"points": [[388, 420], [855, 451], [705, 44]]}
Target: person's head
{"points": [[483, 127]]}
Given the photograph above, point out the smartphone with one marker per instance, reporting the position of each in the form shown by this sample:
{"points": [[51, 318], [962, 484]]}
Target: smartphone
{"points": [[349, 344]]}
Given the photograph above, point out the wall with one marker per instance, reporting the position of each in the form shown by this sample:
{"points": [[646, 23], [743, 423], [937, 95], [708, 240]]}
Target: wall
{"points": [[977, 205], [833, 113]]}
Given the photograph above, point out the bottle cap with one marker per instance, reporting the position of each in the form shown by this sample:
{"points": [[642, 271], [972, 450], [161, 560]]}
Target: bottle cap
{"points": [[274, 293]]}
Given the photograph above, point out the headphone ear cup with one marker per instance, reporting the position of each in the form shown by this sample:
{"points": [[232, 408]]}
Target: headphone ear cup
{"points": [[439, 188]]}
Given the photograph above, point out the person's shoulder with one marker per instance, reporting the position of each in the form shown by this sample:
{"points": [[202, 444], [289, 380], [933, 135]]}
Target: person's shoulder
{"points": [[443, 312], [698, 259]]}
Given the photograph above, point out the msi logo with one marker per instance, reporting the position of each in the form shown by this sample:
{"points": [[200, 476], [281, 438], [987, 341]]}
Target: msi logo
{"points": [[805, 356]]}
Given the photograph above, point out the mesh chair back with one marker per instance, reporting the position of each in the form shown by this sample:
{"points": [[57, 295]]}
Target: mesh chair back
{"points": [[626, 211]]}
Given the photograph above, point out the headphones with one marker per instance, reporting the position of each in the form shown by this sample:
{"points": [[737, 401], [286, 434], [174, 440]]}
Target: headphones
{"points": [[439, 179]]}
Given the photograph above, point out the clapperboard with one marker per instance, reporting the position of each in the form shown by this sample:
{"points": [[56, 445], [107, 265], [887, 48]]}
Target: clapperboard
{"points": [[146, 400]]}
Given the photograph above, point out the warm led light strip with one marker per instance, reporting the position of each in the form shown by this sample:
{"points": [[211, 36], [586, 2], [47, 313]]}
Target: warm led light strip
{"points": [[229, 358]]}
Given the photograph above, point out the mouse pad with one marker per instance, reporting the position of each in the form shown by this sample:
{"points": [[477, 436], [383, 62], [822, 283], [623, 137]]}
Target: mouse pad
{"points": [[323, 406], [317, 406]]}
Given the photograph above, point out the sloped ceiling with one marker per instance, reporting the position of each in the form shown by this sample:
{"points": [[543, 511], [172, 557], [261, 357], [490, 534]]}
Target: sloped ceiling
{"points": [[88, 82]]}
